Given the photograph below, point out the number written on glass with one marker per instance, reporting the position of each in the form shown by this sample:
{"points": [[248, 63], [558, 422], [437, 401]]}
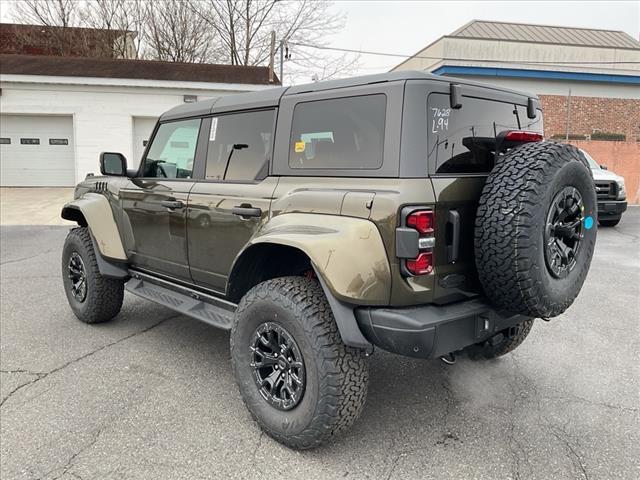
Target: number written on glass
{"points": [[440, 119]]}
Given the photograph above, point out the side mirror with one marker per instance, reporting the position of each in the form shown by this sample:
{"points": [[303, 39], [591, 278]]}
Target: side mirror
{"points": [[532, 107], [604, 167], [114, 164], [455, 96]]}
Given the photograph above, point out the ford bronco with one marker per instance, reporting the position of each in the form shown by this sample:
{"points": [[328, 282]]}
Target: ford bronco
{"points": [[419, 214]]}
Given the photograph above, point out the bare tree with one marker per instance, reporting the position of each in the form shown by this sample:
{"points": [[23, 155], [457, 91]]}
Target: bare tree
{"points": [[58, 14], [227, 31], [244, 28], [176, 35], [127, 19]]}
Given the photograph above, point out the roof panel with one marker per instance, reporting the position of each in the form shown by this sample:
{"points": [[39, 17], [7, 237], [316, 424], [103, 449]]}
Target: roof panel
{"points": [[547, 34]]}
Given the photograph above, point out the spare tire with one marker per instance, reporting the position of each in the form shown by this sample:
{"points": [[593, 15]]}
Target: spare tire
{"points": [[535, 229]]}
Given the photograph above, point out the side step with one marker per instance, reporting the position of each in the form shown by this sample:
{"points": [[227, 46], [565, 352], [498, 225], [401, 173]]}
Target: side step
{"points": [[192, 303]]}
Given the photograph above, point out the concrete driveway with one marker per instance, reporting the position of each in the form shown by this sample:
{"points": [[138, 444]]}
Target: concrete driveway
{"points": [[33, 205], [151, 394]]}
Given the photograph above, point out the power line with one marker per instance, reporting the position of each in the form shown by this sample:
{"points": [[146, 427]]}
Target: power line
{"points": [[399, 55]]}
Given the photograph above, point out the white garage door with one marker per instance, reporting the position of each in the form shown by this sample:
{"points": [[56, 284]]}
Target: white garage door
{"points": [[142, 128], [36, 151]]}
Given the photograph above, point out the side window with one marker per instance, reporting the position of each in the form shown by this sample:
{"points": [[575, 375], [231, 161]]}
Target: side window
{"points": [[240, 146], [463, 140], [341, 133], [173, 150]]}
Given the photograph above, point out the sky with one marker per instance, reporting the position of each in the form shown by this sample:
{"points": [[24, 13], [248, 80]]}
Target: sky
{"points": [[406, 27]]}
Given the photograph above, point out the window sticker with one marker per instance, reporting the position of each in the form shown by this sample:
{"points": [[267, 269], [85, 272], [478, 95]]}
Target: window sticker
{"points": [[299, 147], [214, 129]]}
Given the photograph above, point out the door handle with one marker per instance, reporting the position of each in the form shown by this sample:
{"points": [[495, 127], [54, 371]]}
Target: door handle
{"points": [[172, 204], [246, 211], [453, 248]]}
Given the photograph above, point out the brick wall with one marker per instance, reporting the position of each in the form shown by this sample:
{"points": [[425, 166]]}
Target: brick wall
{"points": [[589, 114], [622, 158]]}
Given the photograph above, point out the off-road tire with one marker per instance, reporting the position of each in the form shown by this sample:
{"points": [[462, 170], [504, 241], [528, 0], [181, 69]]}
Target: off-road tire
{"points": [[501, 344], [609, 223], [336, 375], [510, 228], [104, 295]]}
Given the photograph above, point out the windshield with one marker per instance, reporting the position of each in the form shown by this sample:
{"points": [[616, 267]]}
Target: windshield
{"points": [[592, 163]]}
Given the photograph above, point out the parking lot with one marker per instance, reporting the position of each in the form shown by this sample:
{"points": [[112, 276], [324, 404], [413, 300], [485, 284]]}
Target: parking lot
{"points": [[151, 394]]}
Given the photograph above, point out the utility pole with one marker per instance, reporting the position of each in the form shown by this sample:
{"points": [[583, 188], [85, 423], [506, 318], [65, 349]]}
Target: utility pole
{"points": [[281, 61], [568, 115], [272, 54]]}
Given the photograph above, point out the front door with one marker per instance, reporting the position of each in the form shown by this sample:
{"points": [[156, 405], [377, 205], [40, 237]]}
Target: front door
{"points": [[232, 202], [155, 204]]}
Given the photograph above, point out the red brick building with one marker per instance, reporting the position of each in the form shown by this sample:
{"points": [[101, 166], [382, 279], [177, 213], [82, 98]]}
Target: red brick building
{"points": [[22, 39], [588, 117]]}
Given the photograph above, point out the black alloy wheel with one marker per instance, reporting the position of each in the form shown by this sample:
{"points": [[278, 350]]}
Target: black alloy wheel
{"points": [[564, 231], [78, 276], [278, 366]]}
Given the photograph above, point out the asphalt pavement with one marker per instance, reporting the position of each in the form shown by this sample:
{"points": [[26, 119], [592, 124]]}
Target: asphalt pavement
{"points": [[151, 394]]}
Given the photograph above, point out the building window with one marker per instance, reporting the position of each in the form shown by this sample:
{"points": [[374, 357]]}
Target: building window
{"points": [[29, 141], [5, 141], [58, 141]]}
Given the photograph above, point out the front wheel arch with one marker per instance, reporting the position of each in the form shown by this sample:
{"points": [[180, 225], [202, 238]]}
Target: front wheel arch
{"points": [[74, 214]]}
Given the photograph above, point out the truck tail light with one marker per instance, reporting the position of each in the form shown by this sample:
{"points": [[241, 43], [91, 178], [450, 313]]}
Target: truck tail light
{"points": [[421, 220], [522, 136], [421, 265], [415, 240]]}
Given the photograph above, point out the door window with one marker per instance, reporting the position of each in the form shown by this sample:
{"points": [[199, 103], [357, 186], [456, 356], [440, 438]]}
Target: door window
{"points": [[240, 146], [340, 133], [173, 150]]}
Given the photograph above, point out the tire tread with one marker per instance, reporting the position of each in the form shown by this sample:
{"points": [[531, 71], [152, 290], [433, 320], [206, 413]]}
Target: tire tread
{"points": [[343, 370]]}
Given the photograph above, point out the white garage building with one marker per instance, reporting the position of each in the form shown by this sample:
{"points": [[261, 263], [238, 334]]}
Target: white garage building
{"points": [[58, 113]]}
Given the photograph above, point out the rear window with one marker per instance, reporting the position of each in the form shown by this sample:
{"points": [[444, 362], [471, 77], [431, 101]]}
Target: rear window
{"points": [[463, 140], [339, 134]]}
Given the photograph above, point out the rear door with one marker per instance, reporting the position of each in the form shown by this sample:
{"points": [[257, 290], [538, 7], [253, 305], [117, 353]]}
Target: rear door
{"points": [[461, 153], [155, 203], [232, 202]]}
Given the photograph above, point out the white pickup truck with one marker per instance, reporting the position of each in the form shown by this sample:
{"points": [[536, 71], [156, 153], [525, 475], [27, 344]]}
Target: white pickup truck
{"points": [[612, 197]]}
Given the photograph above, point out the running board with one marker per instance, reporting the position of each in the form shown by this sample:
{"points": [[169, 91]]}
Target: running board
{"points": [[192, 303]]}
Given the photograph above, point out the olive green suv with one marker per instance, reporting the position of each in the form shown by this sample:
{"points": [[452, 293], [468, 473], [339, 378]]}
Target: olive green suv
{"points": [[419, 214]]}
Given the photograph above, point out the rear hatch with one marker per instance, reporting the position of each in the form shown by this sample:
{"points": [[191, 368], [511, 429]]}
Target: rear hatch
{"points": [[461, 153]]}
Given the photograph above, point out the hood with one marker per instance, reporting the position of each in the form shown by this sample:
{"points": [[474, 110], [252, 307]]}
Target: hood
{"points": [[600, 174]]}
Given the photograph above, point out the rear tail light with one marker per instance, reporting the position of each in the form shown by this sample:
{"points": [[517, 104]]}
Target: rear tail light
{"points": [[421, 265], [421, 220], [522, 136], [415, 240]]}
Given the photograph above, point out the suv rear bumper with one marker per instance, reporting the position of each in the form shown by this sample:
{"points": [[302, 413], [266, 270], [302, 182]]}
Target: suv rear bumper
{"points": [[429, 331], [610, 209]]}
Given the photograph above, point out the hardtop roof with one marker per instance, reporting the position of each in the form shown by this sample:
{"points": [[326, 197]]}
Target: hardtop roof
{"points": [[271, 97]]}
